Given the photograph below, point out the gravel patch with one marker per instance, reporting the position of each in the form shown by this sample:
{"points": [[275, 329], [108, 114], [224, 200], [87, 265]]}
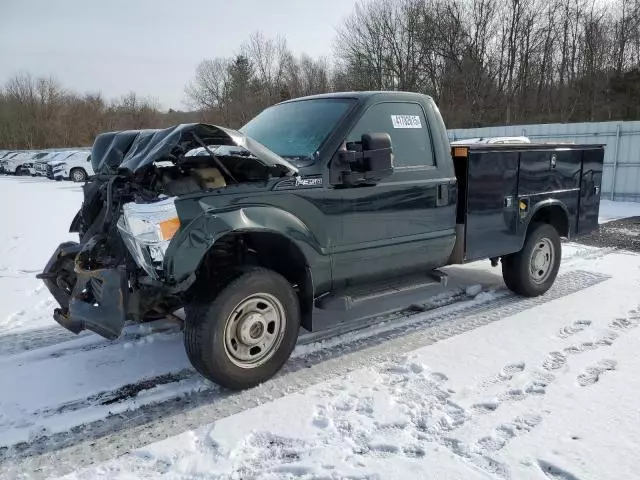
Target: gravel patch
{"points": [[621, 234]]}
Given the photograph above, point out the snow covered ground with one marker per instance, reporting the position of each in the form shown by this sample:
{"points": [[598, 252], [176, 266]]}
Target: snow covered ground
{"points": [[491, 386]]}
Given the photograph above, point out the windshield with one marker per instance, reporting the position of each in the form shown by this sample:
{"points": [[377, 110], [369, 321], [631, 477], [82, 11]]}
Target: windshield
{"points": [[296, 130]]}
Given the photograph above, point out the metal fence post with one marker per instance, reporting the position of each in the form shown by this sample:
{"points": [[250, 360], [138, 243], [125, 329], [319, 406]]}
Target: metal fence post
{"points": [[615, 163]]}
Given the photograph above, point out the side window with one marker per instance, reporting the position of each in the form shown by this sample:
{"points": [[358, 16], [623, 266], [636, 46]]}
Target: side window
{"points": [[407, 126]]}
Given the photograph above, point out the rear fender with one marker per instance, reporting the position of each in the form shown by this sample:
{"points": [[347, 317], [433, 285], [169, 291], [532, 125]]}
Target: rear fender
{"points": [[537, 209]]}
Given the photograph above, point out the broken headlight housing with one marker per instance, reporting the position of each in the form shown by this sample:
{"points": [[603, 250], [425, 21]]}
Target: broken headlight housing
{"points": [[147, 230]]}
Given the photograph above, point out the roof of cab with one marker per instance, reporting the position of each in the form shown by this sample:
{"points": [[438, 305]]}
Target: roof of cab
{"points": [[399, 95]]}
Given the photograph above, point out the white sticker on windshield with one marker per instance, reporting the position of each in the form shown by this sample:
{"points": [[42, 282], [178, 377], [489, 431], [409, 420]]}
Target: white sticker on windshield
{"points": [[406, 121]]}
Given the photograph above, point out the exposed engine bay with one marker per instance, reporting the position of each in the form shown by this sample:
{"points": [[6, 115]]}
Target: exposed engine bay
{"points": [[202, 172], [128, 219]]}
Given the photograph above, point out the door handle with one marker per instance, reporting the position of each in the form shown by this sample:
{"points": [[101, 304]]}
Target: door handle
{"points": [[442, 195], [553, 161]]}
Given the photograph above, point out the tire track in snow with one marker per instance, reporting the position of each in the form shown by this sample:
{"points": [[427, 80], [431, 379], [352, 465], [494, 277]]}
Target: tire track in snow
{"points": [[98, 441], [14, 343], [56, 341]]}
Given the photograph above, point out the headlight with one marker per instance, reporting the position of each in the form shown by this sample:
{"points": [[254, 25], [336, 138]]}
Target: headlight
{"points": [[59, 167], [147, 229]]}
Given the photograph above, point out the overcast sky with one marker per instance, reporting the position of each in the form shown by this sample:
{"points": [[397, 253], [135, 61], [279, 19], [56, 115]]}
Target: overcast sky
{"points": [[150, 46]]}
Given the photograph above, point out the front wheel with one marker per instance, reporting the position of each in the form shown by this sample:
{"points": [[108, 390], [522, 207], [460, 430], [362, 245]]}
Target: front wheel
{"points": [[246, 332], [533, 270]]}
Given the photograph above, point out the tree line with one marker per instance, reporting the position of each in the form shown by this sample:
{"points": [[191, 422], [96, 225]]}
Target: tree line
{"points": [[485, 62]]}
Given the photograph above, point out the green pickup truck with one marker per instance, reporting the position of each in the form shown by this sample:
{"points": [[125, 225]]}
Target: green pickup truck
{"points": [[317, 205]]}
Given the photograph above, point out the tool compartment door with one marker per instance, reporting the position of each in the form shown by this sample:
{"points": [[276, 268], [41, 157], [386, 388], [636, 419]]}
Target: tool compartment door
{"points": [[590, 190], [552, 173], [492, 210]]}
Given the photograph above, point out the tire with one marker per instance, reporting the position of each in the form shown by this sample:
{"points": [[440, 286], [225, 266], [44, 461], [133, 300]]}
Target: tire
{"points": [[219, 331], [542, 250], [78, 175]]}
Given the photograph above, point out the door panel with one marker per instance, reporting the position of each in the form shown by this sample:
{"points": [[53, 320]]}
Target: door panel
{"points": [[549, 170], [396, 226], [407, 221], [492, 206], [590, 190]]}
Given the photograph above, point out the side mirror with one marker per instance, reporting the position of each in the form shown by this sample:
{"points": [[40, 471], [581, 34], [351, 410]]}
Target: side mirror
{"points": [[365, 162]]}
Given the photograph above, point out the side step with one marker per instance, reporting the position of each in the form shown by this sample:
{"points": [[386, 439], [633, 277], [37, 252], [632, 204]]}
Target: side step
{"points": [[358, 295]]}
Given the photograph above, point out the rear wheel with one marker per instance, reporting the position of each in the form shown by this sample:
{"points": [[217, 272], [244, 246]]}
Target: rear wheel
{"points": [[245, 333], [533, 270], [78, 175]]}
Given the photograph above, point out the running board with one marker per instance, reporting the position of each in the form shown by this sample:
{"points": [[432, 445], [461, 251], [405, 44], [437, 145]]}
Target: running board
{"points": [[356, 296]]}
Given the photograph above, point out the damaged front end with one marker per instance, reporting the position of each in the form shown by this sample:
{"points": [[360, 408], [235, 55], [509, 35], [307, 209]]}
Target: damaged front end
{"points": [[90, 297], [115, 273]]}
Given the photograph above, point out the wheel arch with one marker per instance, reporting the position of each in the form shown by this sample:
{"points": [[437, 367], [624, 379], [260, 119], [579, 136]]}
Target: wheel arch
{"points": [[235, 251], [552, 212], [271, 236]]}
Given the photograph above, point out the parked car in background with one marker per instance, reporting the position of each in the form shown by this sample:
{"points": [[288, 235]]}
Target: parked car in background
{"points": [[5, 159], [40, 166], [76, 167], [15, 164], [30, 165]]}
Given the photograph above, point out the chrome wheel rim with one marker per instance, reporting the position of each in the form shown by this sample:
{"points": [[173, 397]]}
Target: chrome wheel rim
{"points": [[77, 176], [542, 260], [254, 330]]}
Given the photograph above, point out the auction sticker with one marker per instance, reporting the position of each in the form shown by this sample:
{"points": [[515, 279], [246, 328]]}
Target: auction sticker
{"points": [[406, 121]]}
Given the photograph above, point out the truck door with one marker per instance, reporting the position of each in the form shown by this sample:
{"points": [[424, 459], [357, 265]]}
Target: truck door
{"points": [[407, 221]]}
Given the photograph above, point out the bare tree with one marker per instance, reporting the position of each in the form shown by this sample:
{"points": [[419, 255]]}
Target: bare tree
{"points": [[208, 89], [485, 62]]}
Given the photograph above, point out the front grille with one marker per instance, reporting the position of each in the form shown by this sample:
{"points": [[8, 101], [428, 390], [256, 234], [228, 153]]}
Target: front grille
{"points": [[49, 172], [40, 168]]}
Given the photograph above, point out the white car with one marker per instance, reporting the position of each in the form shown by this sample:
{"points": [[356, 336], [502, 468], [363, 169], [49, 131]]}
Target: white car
{"points": [[4, 160], [15, 164], [492, 140], [76, 167], [40, 166]]}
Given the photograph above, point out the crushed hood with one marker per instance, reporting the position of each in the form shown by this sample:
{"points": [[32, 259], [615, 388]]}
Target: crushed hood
{"points": [[134, 150]]}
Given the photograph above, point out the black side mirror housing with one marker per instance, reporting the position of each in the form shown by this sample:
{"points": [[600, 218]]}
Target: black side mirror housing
{"points": [[365, 162]]}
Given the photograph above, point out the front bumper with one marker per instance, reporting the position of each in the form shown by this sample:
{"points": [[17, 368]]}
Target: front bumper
{"points": [[92, 300]]}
